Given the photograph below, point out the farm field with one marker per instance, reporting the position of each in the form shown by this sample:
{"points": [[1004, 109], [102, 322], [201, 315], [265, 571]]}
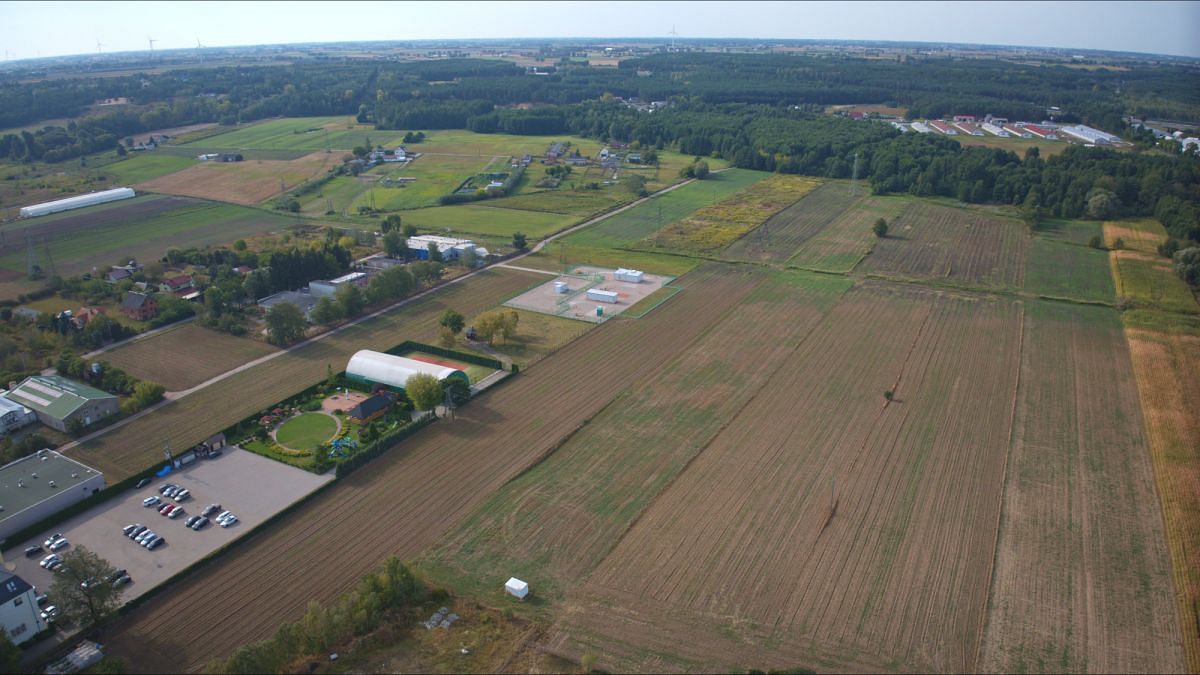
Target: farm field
{"points": [[1062, 270], [935, 242], [796, 224], [487, 221], [1082, 579], [538, 336], [566, 202], [739, 564], [1167, 368], [842, 244], [142, 228], [184, 357], [1141, 274], [1016, 145], [437, 175], [335, 133], [247, 183], [146, 166], [431, 487], [553, 524], [629, 226], [714, 227]]}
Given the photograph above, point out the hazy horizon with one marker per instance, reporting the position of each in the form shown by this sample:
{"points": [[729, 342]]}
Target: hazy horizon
{"points": [[1164, 28]]}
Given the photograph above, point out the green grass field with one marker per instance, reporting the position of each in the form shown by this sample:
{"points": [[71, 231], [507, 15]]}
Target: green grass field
{"points": [[1060, 270], [566, 202], [145, 166], [1069, 231], [336, 133], [1152, 283], [486, 221], [629, 226], [437, 175], [306, 431]]}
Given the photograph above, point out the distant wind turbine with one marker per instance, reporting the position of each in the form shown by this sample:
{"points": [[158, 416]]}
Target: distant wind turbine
{"points": [[198, 45], [673, 35], [151, 41], [99, 47]]}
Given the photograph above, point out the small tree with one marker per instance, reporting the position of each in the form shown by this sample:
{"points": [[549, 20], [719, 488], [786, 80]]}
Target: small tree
{"points": [[393, 244], [82, 589], [350, 300], [424, 390], [326, 311], [518, 241], [701, 170], [1096, 242], [10, 654], [1187, 265], [285, 323], [408, 230], [435, 254], [453, 320], [880, 228]]}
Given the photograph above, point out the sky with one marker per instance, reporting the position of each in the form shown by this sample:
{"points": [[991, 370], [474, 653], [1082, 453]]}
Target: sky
{"points": [[36, 29]]}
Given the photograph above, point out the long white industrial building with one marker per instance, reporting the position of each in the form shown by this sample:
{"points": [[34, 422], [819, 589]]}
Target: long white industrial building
{"points": [[77, 202], [394, 371]]}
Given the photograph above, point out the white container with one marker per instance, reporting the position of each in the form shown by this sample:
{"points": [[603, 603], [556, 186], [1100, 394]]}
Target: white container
{"points": [[516, 588], [602, 295]]}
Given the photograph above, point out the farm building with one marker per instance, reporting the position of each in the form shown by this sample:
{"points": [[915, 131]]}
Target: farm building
{"points": [[77, 202], [325, 289], [920, 127], [59, 402], [370, 409], [601, 295], [943, 128], [1040, 132], [20, 616], [968, 128], [13, 416], [393, 371], [994, 130], [139, 306], [1018, 131], [449, 247], [44, 483], [1089, 135], [304, 301]]}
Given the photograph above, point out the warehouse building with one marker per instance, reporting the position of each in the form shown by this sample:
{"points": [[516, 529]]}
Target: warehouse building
{"points": [[327, 289], [449, 247], [942, 127], [20, 616], [374, 368], [920, 127], [1041, 132], [40, 485], [58, 402], [77, 202], [13, 416], [1089, 135], [994, 130]]}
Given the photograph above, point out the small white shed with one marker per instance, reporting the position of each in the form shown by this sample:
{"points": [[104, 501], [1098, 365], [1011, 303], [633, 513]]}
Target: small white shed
{"points": [[516, 587], [631, 276], [601, 295]]}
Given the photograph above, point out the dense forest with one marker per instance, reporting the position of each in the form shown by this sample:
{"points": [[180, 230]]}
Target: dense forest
{"points": [[760, 111]]}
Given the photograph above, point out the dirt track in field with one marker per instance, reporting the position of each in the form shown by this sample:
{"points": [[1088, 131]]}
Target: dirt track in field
{"points": [[1082, 580], [735, 562], [407, 498]]}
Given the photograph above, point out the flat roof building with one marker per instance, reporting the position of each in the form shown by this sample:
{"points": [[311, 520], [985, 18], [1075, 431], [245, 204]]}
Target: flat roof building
{"points": [[1089, 135], [40, 485], [58, 401], [302, 300]]}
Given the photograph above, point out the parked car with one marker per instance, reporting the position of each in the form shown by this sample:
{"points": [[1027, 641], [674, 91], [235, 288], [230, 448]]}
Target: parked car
{"points": [[200, 524], [176, 512], [222, 515], [167, 508], [42, 599], [191, 521], [88, 583], [137, 530], [50, 612], [49, 559], [228, 520], [116, 575], [31, 551], [59, 545], [164, 487], [124, 579], [210, 509], [182, 495], [156, 542], [142, 483], [51, 539], [129, 528], [151, 500], [55, 566], [141, 538]]}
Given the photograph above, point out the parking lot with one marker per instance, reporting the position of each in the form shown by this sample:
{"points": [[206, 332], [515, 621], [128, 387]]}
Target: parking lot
{"points": [[251, 486]]}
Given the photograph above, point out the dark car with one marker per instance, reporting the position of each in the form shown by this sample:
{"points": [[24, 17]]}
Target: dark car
{"points": [[156, 542], [128, 529], [31, 551], [42, 600], [133, 534], [116, 575], [210, 509], [124, 579], [200, 524], [142, 483]]}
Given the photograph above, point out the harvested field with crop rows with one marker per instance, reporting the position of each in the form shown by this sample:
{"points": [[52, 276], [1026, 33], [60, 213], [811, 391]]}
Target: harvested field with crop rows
{"points": [[185, 356], [796, 224]]}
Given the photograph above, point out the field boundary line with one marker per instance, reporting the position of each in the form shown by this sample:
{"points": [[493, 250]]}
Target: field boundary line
{"points": [[1012, 425]]}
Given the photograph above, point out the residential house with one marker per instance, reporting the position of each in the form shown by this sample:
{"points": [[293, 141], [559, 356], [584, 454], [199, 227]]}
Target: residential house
{"points": [[370, 409], [139, 306], [117, 274], [176, 283], [20, 616], [84, 315]]}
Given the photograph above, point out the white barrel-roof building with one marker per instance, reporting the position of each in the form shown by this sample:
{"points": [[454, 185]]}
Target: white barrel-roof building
{"points": [[78, 202], [394, 371]]}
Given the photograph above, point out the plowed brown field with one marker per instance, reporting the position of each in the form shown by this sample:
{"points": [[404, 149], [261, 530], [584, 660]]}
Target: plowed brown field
{"points": [[409, 497], [129, 449], [185, 356], [738, 563], [1082, 580], [249, 182]]}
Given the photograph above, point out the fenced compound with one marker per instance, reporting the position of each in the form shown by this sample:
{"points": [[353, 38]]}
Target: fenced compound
{"points": [[567, 294]]}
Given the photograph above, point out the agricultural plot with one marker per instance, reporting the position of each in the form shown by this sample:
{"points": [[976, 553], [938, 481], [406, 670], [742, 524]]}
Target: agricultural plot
{"points": [[142, 228], [1078, 232], [440, 475], [796, 224], [538, 336], [146, 166], [629, 226], [308, 134], [935, 242], [552, 524], [1082, 579], [1167, 368], [566, 202], [843, 243], [462, 142], [189, 420], [487, 221], [826, 527], [712, 228], [1061, 270], [436, 176], [1143, 276], [184, 357], [248, 183]]}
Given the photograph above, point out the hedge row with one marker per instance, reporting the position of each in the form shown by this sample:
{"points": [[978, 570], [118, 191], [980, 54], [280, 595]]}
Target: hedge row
{"points": [[410, 345], [347, 466]]}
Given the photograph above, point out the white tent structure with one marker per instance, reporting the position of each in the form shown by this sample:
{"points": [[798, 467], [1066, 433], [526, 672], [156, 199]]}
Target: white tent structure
{"points": [[77, 202], [516, 588], [394, 371]]}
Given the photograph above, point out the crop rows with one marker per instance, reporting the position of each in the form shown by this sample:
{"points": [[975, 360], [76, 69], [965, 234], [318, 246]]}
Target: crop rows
{"points": [[842, 245], [779, 237], [185, 356], [248, 183], [741, 551]]}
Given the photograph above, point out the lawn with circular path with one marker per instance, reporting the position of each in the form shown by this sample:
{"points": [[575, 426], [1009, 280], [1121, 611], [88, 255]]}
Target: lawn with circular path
{"points": [[307, 431]]}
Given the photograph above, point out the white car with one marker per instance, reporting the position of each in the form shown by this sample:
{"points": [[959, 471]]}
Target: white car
{"points": [[151, 500], [49, 559], [178, 511], [228, 520], [51, 539], [59, 545]]}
